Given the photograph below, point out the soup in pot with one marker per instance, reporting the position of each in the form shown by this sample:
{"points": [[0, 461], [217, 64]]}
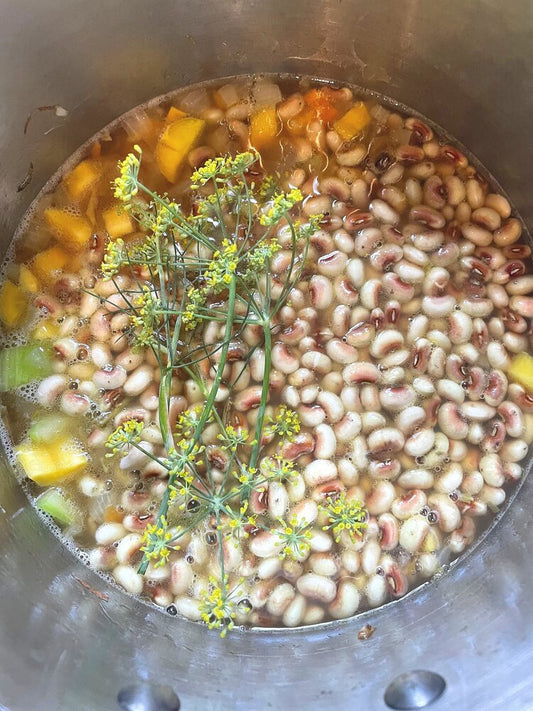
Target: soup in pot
{"points": [[273, 369]]}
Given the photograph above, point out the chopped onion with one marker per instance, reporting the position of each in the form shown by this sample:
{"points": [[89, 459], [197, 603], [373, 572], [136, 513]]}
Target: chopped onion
{"points": [[137, 125], [195, 102], [228, 95], [401, 135], [265, 93], [99, 504], [380, 113]]}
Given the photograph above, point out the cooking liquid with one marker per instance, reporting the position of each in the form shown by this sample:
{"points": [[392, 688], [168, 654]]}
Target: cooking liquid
{"points": [[376, 568]]}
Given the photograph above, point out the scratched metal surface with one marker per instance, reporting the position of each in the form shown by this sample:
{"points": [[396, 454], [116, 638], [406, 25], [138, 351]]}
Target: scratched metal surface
{"points": [[466, 65]]}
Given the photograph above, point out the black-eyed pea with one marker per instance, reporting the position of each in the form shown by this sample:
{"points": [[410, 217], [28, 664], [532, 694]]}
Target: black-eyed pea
{"points": [[346, 601], [370, 556], [278, 499], [280, 598], [295, 611], [427, 564], [323, 564], [317, 587], [189, 608], [413, 532], [351, 561], [472, 483], [109, 532], [381, 497], [128, 548], [492, 496], [265, 544], [320, 541], [451, 479], [269, 568], [102, 558], [129, 579], [296, 488], [376, 590], [448, 514]]}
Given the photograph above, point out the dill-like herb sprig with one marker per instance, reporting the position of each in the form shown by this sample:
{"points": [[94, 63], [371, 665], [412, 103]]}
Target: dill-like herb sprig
{"points": [[190, 271]]}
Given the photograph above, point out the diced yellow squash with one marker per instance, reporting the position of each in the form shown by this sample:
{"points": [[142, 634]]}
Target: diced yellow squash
{"points": [[13, 304], [46, 330], [82, 179], [113, 515], [72, 231], [174, 114], [49, 264], [92, 205], [177, 140], [96, 150], [264, 127], [118, 222], [353, 122], [27, 280], [53, 462], [521, 371]]}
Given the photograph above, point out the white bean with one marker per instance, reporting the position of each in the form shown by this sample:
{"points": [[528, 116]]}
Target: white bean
{"points": [[108, 533], [278, 499], [319, 471], [189, 608], [413, 531], [138, 380], [280, 598], [317, 587], [128, 577], [346, 602], [269, 568], [325, 442], [295, 611], [181, 577], [376, 590], [128, 547], [370, 557]]}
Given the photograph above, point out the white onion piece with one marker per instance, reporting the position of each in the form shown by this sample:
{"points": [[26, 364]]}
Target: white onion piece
{"points": [[195, 102], [265, 93], [137, 125]]}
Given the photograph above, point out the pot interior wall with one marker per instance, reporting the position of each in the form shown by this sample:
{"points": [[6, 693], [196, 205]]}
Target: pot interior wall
{"points": [[465, 65]]}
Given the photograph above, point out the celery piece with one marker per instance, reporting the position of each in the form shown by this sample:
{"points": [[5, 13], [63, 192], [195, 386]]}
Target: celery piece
{"points": [[48, 428], [22, 364], [58, 506]]}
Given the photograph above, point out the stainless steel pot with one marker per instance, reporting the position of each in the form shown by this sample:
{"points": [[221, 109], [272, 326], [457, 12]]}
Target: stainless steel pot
{"points": [[465, 64]]}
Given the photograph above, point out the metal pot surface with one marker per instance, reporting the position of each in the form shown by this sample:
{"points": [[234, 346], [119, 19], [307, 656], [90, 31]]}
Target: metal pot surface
{"points": [[467, 66]]}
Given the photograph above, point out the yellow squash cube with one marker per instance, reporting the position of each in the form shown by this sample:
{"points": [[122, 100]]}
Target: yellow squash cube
{"points": [[92, 204], [72, 231], [49, 264], [353, 122], [521, 371], [55, 461], [13, 304], [27, 280], [84, 177], [118, 222], [264, 127], [174, 114], [177, 140], [45, 330]]}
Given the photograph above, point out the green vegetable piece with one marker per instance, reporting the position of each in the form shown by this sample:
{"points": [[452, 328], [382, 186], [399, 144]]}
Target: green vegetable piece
{"points": [[48, 428], [22, 364], [58, 506]]}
